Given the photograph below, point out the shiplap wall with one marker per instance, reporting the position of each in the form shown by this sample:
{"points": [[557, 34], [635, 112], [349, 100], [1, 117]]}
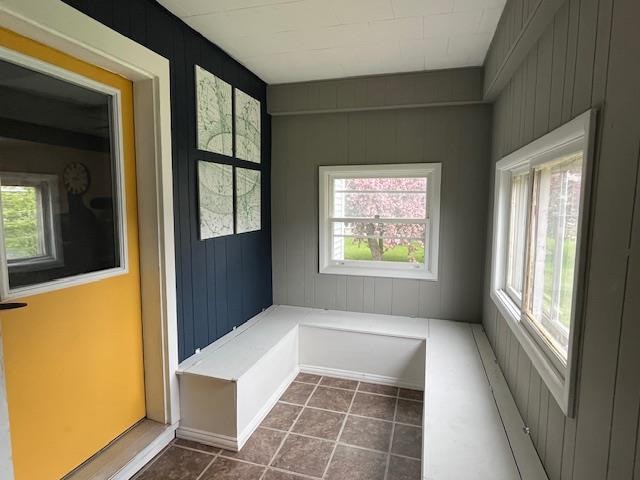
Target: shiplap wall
{"points": [[459, 137], [221, 282], [588, 55]]}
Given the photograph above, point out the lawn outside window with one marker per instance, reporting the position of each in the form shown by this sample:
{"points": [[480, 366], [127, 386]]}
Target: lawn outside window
{"points": [[539, 243], [380, 220]]}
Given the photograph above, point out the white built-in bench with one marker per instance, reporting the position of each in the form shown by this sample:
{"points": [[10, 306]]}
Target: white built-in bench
{"points": [[228, 388]]}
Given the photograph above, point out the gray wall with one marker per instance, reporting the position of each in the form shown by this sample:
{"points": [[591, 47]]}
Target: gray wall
{"points": [[457, 136], [587, 55]]}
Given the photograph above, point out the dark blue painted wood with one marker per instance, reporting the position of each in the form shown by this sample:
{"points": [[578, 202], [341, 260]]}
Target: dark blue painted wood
{"points": [[221, 282]]}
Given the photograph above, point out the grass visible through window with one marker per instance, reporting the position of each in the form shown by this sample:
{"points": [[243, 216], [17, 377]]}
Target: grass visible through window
{"points": [[566, 278], [359, 250]]}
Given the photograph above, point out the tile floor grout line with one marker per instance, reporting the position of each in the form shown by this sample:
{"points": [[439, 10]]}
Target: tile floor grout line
{"points": [[352, 414], [266, 467], [393, 432], [397, 395], [207, 467], [344, 422], [288, 432], [344, 444], [184, 447], [154, 459]]}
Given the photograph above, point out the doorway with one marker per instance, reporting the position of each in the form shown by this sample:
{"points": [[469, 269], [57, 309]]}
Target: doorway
{"points": [[73, 355]]}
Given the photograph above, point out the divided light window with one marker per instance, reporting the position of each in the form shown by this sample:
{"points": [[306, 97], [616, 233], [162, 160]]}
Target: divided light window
{"points": [[31, 231], [541, 193], [380, 220]]}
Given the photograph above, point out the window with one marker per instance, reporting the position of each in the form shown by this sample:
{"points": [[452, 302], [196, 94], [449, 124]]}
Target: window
{"points": [[380, 220], [31, 232], [517, 235], [61, 180], [541, 193]]}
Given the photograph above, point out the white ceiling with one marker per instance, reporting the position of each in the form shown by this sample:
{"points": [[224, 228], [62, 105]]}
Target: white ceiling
{"points": [[295, 40]]}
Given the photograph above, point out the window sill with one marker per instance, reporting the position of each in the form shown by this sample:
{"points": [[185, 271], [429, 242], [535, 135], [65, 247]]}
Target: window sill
{"points": [[416, 274], [553, 379]]}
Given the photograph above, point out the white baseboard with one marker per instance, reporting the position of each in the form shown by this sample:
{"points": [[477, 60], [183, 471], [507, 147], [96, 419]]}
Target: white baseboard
{"points": [[260, 416], [359, 376], [236, 443], [208, 438]]}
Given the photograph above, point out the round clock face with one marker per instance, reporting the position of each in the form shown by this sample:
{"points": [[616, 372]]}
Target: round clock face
{"points": [[76, 178]]}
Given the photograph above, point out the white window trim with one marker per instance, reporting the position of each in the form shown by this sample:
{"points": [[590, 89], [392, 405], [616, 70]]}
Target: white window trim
{"points": [[8, 293], [374, 268], [51, 223], [578, 134]]}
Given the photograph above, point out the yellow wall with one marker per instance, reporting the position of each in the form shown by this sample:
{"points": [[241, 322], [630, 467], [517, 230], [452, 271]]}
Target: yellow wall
{"points": [[73, 358]]}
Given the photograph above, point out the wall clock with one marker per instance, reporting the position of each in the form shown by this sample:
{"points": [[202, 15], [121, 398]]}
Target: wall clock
{"points": [[76, 178]]}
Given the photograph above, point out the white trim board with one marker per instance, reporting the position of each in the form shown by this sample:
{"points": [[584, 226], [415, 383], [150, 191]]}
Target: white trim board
{"points": [[62, 27], [358, 376]]}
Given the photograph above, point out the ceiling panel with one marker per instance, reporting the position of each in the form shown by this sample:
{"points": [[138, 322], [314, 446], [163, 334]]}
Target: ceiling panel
{"points": [[297, 40]]}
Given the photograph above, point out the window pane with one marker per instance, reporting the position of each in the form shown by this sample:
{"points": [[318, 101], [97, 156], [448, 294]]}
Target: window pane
{"points": [[22, 223], [379, 241], [555, 220], [58, 168], [517, 235], [380, 197]]}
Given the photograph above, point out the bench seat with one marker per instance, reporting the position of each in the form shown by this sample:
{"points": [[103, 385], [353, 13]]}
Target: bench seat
{"points": [[228, 388]]}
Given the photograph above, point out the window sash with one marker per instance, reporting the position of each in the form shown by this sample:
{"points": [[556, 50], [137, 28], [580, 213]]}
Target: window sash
{"points": [[517, 235], [431, 195], [546, 325]]}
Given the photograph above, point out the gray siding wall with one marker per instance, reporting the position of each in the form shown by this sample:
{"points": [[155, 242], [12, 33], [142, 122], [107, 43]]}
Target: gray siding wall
{"points": [[587, 56], [457, 136]]}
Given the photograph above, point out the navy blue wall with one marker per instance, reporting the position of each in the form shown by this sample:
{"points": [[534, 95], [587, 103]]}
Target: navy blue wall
{"points": [[221, 282]]}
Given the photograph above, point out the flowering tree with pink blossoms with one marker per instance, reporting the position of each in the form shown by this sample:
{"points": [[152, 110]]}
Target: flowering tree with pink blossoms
{"points": [[381, 199]]}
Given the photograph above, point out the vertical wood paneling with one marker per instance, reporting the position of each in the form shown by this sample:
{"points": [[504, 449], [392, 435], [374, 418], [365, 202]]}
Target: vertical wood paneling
{"points": [[530, 96], [624, 434], [587, 29], [601, 61], [543, 419], [355, 294], [560, 32], [570, 65], [456, 136], [523, 383], [543, 83], [220, 282], [588, 56], [555, 439]]}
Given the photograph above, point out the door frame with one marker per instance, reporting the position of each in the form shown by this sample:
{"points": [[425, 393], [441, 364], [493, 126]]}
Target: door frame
{"points": [[62, 27]]}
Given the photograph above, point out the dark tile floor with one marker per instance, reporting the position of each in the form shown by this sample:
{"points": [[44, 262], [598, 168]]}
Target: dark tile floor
{"points": [[322, 428]]}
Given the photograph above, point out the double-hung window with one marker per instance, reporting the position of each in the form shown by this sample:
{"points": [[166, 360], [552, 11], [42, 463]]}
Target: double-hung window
{"points": [[539, 235], [30, 226], [380, 220]]}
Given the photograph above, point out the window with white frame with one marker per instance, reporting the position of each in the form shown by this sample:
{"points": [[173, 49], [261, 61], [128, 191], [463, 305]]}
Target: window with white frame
{"points": [[62, 199], [539, 216], [30, 227], [380, 220]]}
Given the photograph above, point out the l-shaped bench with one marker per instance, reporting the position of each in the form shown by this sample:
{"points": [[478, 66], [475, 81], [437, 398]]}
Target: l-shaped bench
{"points": [[228, 388]]}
